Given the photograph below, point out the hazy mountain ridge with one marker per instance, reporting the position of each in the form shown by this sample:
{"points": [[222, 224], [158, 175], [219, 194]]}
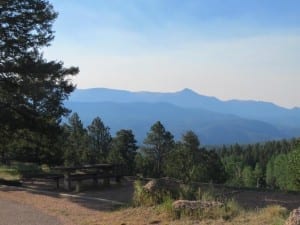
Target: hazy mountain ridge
{"points": [[215, 121]]}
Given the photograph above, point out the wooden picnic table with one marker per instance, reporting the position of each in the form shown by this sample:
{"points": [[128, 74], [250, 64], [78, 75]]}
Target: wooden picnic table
{"points": [[93, 171]]}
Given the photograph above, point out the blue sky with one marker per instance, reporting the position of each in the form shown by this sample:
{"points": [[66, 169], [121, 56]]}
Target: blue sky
{"points": [[224, 48]]}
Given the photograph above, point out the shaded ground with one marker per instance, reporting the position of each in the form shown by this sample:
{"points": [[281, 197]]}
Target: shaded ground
{"points": [[260, 199]]}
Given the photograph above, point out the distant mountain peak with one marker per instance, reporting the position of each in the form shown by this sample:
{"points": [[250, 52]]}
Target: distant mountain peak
{"points": [[187, 91]]}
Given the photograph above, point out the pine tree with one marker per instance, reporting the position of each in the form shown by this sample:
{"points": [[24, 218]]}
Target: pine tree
{"points": [[158, 145], [99, 141], [32, 89], [76, 152], [123, 150]]}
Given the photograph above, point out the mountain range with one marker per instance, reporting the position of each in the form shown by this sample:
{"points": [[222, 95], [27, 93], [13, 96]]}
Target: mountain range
{"points": [[213, 120]]}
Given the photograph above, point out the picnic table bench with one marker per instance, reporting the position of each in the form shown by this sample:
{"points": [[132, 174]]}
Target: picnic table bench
{"points": [[87, 172], [43, 176]]}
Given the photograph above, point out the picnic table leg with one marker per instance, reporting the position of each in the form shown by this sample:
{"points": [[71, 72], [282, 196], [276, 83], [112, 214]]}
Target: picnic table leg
{"points": [[118, 179], [106, 181], [57, 183], [95, 181], [67, 181], [78, 185]]}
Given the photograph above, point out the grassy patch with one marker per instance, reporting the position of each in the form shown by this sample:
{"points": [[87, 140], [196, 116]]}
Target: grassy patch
{"points": [[18, 170], [143, 198], [8, 173]]}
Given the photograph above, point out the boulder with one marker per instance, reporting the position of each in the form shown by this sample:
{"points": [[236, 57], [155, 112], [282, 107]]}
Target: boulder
{"points": [[294, 218], [193, 205], [162, 185]]}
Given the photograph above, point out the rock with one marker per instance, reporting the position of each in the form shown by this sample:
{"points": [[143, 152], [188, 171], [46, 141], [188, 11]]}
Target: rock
{"points": [[294, 218], [163, 184], [193, 205]]}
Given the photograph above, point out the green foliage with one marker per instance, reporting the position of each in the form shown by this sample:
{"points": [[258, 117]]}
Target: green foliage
{"points": [[270, 175], [143, 165], [275, 164], [141, 197], [123, 150], [76, 146], [185, 162], [233, 168], [99, 141], [32, 89], [19, 169], [9, 173], [281, 171], [189, 163], [258, 175], [158, 144], [294, 168], [248, 177]]}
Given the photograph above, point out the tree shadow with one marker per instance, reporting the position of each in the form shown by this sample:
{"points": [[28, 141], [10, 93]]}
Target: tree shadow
{"points": [[103, 198]]}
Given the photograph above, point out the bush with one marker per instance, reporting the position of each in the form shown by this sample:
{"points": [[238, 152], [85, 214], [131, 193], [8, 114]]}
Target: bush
{"points": [[142, 197], [163, 200]]}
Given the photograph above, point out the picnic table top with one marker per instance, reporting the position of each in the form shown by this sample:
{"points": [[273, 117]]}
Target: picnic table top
{"points": [[90, 166]]}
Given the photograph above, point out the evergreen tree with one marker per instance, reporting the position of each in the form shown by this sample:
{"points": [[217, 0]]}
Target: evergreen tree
{"points": [[294, 168], [214, 166], [32, 89], [186, 161], [248, 177], [123, 149], [270, 177], [281, 171], [77, 152], [99, 141], [158, 144], [258, 175]]}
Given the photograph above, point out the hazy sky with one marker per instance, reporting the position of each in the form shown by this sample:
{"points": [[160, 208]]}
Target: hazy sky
{"points": [[241, 49]]}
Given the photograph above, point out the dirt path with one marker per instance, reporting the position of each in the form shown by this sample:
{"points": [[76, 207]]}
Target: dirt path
{"points": [[13, 213]]}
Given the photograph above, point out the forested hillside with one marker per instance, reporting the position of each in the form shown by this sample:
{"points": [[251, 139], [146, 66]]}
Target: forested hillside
{"points": [[272, 164], [213, 120]]}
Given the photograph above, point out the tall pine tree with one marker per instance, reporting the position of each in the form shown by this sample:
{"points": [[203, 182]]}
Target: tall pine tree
{"points": [[32, 89]]}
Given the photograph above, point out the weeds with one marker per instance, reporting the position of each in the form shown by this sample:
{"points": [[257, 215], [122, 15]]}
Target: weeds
{"points": [[142, 197]]}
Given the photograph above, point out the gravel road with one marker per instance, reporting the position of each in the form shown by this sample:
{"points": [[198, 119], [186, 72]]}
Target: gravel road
{"points": [[18, 214]]}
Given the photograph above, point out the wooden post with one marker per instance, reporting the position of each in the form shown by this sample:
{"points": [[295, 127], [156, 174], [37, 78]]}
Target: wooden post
{"points": [[57, 183], [118, 179], [106, 181], [67, 181], [95, 179], [78, 185]]}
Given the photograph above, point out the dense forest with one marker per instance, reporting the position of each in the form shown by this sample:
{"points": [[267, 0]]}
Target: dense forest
{"points": [[273, 164]]}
